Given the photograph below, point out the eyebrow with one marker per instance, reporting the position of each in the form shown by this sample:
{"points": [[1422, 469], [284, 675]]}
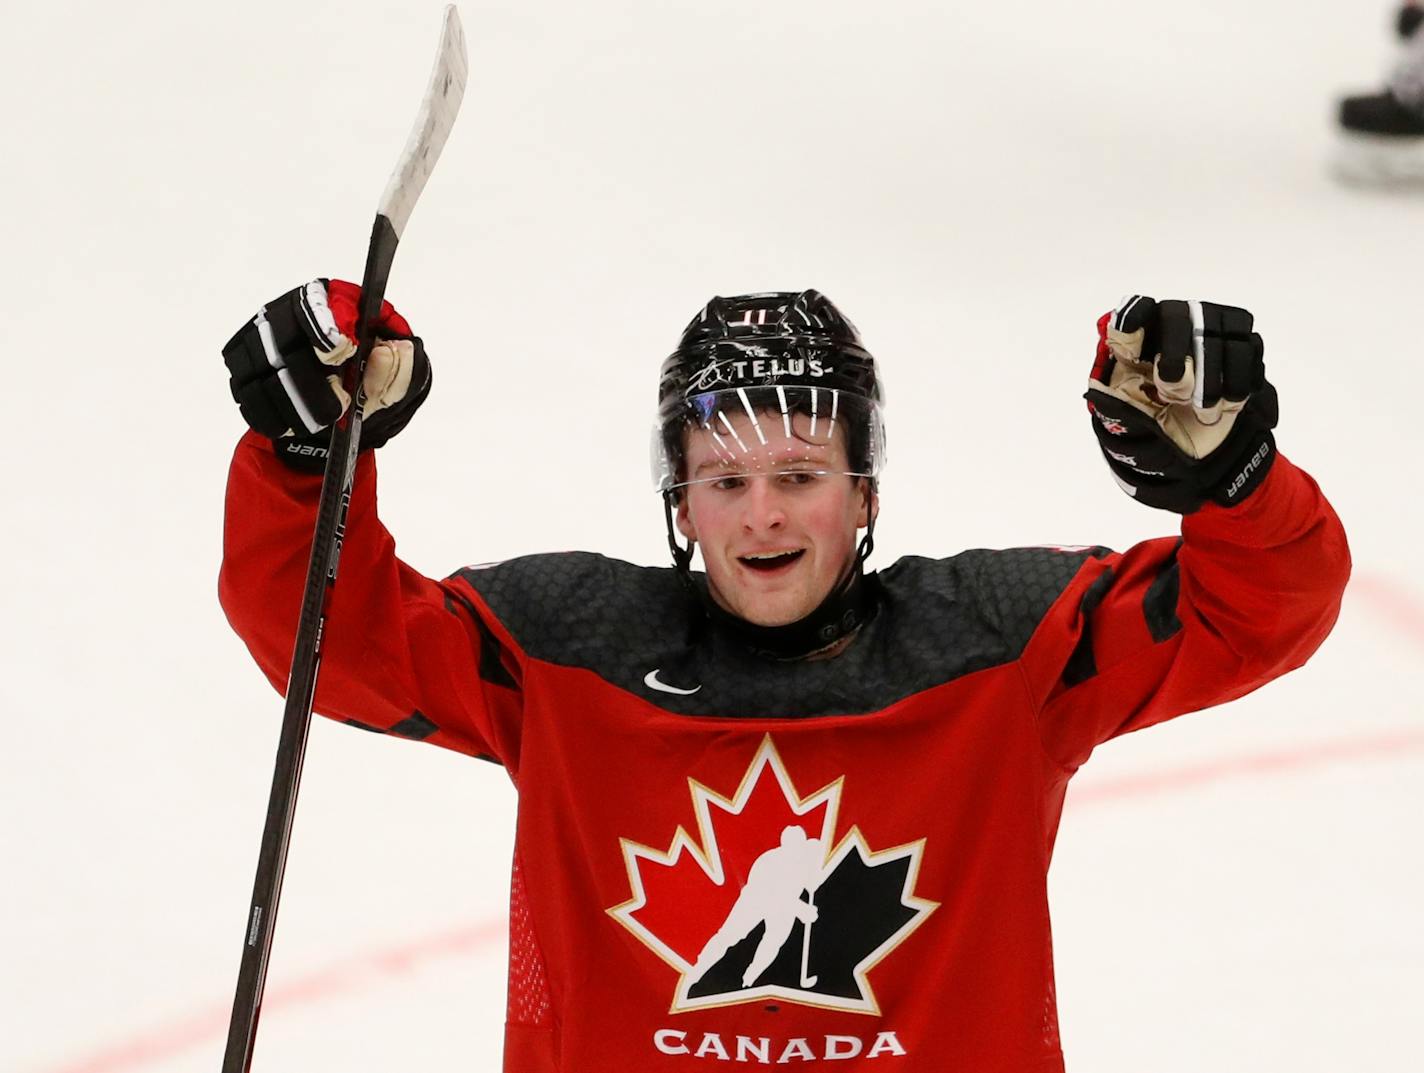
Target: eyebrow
{"points": [[726, 464]]}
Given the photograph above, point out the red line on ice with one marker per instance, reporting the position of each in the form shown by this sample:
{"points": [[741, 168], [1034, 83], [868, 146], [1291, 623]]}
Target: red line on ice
{"points": [[1395, 605], [1276, 762], [350, 974], [1391, 600]]}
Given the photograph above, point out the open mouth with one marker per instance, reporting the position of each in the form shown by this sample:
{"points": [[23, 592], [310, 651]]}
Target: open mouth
{"points": [[772, 561]]}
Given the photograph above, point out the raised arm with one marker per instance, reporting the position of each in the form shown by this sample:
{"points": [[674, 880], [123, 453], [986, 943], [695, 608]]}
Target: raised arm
{"points": [[1253, 586], [1176, 625], [403, 654]]}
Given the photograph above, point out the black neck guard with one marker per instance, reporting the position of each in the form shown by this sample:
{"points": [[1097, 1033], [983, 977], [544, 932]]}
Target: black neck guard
{"points": [[840, 614]]}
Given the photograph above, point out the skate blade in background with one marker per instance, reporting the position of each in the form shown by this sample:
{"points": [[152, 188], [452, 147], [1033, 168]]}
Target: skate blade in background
{"points": [[1378, 160]]}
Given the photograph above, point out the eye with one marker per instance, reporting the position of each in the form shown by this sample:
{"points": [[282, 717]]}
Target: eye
{"points": [[728, 484], [800, 477]]}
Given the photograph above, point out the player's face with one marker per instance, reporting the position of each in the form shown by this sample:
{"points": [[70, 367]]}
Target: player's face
{"points": [[775, 536]]}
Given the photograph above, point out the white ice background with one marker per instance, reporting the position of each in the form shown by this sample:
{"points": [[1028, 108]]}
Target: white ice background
{"points": [[973, 183]]}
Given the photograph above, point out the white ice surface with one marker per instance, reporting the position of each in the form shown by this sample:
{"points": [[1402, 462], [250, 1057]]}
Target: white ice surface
{"points": [[973, 183]]}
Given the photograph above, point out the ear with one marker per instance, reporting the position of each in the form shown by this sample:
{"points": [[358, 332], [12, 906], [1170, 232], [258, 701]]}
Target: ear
{"points": [[684, 520], [869, 504]]}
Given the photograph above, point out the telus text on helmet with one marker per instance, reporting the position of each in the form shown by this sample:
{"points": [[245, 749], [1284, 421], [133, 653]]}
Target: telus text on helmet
{"points": [[767, 370]]}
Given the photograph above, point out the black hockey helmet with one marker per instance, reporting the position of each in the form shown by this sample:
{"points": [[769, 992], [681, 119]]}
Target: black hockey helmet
{"points": [[784, 349]]}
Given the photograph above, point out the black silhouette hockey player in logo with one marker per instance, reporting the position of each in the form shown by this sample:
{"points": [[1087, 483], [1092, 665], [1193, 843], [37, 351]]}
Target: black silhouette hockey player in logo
{"points": [[771, 899]]}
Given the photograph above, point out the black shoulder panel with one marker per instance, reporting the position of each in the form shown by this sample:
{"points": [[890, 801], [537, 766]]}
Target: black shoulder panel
{"points": [[1082, 664], [636, 627], [1021, 584], [581, 609], [1159, 605]]}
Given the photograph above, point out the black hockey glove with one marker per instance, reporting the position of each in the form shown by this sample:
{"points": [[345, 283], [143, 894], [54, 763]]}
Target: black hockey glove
{"points": [[284, 368], [1180, 402]]}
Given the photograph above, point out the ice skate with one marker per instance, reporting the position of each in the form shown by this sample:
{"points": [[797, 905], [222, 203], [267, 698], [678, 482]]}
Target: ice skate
{"points": [[1381, 135]]}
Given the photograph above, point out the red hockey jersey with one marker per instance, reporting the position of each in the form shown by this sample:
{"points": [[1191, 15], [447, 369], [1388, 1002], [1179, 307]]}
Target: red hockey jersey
{"points": [[726, 862]]}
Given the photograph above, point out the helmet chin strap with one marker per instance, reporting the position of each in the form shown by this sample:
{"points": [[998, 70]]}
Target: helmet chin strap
{"points": [[849, 604], [867, 542], [681, 557]]}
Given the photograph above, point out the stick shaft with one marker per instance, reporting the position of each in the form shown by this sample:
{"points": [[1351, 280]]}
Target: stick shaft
{"points": [[335, 499]]}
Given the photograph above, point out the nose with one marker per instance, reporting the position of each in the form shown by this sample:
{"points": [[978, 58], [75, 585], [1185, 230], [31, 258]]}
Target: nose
{"points": [[762, 508]]}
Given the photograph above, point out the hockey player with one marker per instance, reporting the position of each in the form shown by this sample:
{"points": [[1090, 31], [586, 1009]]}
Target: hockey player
{"points": [[785, 809], [1382, 133], [770, 897]]}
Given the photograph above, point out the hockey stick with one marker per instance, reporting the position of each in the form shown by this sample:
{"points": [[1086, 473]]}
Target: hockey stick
{"points": [[432, 126], [807, 981]]}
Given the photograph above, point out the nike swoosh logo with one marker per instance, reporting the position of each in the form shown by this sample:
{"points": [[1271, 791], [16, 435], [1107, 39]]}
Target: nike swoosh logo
{"points": [[651, 681]]}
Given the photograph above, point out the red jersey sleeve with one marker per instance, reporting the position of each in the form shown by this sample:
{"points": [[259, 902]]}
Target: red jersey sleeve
{"points": [[403, 654], [1175, 625]]}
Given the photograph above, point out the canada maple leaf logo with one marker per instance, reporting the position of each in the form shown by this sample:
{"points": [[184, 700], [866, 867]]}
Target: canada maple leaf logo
{"points": [[764, 903]]}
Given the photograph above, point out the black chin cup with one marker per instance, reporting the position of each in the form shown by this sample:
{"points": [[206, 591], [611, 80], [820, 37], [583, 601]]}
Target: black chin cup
{"points": [[841, 613]]}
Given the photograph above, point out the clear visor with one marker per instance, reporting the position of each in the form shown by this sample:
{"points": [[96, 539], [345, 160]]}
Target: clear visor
{"points": [[739, 433]]}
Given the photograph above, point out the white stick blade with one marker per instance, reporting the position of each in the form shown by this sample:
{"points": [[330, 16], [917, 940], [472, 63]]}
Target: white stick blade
{"points": [[432, 126]]}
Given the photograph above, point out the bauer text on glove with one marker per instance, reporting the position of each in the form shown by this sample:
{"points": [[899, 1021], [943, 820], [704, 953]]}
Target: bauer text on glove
{"points": [[284, 366], [1180, 402]]}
